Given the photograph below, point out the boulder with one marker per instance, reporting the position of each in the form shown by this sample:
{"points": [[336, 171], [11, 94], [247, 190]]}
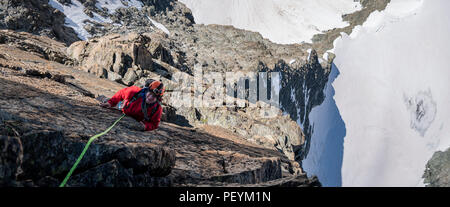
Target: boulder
{"points": [[130, 77], [115, 54], [38, 17], [437, 172]]}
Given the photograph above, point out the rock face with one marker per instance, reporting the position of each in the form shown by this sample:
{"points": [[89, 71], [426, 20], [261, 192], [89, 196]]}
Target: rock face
{"points": [[44, 151], [126, 58], [437, 172], [49, 120], [114, 57], [35, 16], [279, 133], [49, 50]]}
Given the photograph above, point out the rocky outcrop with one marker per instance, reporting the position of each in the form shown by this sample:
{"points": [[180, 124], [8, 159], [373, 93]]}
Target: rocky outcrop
{"points": [[49, 50], [437, 172], [324, 41], [35, 16], [125, 58], [278, 133], [114, 57]]}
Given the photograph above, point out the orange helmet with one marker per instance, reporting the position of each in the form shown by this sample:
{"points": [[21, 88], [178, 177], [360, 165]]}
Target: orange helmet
{"points": [[157, 87]]}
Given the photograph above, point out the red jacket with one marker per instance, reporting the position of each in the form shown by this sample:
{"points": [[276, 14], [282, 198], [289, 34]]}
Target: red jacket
{"points": [[135, 110]]}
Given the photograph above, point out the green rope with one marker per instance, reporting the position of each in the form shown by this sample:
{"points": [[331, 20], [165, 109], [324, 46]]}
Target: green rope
{"points": [[85, 149]]}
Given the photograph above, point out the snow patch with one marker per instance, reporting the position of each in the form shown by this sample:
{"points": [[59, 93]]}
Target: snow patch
{"points": [[75, 16], [309, 54], [159, 25], [77, 19], [292, 61], [325, 56]]}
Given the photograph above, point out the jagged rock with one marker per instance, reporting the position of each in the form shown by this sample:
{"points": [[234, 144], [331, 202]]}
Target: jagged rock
{"points": [[269, 169], [324, 41], [437, 172], [159, 52], [125, 58], [130, 77], [169, 114], [35, 16], [110, 174], [44, 47], [112, 56], [124, 20], [113, 76], [278, 133], [49, 153], [158, 162]]}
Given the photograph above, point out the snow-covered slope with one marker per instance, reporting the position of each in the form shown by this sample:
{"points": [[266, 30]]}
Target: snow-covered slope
{"points": [[76, 18], [286, 21], [393, 93]]}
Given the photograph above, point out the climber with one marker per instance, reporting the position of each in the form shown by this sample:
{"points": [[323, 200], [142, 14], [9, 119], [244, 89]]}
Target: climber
{"points": [[144, 104]]}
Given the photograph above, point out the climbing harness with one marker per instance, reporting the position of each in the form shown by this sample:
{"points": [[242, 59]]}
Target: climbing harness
{"points": [[85, 149]]}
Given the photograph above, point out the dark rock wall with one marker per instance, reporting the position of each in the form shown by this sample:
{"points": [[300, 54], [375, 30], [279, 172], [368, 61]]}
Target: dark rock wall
{"points": [[37, 17]]}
